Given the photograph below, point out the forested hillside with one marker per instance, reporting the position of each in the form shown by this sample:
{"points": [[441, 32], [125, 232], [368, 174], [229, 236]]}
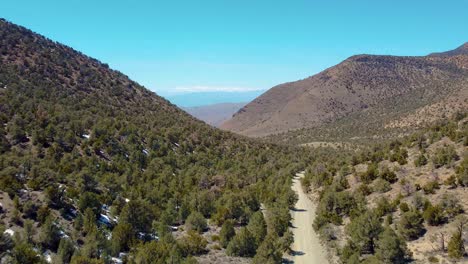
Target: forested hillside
{"points": [[94, 168], [401, 201]]}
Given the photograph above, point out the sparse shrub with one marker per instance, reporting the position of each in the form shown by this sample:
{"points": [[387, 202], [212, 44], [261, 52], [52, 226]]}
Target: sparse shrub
{"points": [[421, 160], [381, 186], [404, 207], [370, 174], [431, 187], [444, 156], [451, 181], [434, 215], [388, 175]]}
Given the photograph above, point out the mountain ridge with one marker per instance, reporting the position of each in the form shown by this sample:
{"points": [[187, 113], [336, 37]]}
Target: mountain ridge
{"points": [[361, 83]]}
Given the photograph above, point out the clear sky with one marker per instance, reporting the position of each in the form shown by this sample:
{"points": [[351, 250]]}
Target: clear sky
{"points": [[179, 46]]}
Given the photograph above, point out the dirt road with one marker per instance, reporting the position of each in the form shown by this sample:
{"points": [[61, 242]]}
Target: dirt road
{"points": [[306, 247]]}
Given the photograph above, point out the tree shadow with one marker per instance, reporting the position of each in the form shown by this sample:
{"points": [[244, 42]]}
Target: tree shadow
{"points": [[298, 210]]}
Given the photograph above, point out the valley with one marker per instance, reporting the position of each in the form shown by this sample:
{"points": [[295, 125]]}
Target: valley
{"points": [[365, 162]]}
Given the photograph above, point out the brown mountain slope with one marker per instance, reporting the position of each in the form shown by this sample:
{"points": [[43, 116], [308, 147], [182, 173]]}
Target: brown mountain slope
{"points": [[366, 88]]}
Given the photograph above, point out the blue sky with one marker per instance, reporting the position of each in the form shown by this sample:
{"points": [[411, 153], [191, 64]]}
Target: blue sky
{"points": [[188, 46]]}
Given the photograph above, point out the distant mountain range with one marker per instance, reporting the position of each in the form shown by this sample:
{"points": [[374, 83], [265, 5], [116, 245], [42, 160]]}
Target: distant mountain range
{"points": [[363, 96], [214, 114], [194, 99]]}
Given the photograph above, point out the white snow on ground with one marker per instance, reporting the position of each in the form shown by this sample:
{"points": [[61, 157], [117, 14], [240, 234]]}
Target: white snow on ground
{"points": [[48, 257], [10, 232]]}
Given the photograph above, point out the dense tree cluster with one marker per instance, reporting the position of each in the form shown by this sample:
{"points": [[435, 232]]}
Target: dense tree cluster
{"points": [[120, 162]]}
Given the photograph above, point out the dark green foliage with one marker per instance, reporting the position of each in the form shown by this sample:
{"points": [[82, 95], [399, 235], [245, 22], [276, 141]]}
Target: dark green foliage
{"points": [[410, 225], [388, 175], [399, 155], [24, 253], [122, 237], [434, 215], [89, 200], [242, 245], [49, 236], [139, 215], [269, 251], [404, 207], [332, 207], [65, 250], [462, 171], [456, 247], [196, 221], [383, 207], [431, 187], [227, 233], [364, 231], [86, 135], [444, 156], [391, 249], [193, 244], [370, 174], [451, 206], [421, 160], [257, 227], [381, 186]]}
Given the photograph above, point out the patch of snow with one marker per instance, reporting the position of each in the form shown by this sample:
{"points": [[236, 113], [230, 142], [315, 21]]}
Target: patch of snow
{"points": [[63, 234], [116, 260], [48, 257], [105, 219], [9, 232]]}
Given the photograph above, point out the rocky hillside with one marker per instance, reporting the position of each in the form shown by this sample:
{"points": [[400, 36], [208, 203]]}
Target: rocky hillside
{"points": [[94, 168], [363, 96]]}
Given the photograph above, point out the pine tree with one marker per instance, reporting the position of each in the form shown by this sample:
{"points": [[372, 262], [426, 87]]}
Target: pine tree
{"points": [[257, 227], [242, 245], [456, 247], [411, 225], [227, 233], [269, 251], [390, 248]]}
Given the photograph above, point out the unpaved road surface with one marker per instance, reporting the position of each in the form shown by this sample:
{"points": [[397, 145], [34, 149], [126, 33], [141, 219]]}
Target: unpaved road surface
{"points": [[306, 247]]}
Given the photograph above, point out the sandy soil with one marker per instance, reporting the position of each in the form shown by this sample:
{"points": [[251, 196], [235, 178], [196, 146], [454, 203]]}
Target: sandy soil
{"points": [[306, 247]]}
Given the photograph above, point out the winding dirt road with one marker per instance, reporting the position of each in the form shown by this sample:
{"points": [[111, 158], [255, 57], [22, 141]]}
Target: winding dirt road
{"points": [[306, 247]]}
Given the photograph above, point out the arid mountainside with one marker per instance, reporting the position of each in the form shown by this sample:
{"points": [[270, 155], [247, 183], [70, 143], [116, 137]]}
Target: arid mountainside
{"points": [[214, 114], [360, 96], [398, 202]]}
